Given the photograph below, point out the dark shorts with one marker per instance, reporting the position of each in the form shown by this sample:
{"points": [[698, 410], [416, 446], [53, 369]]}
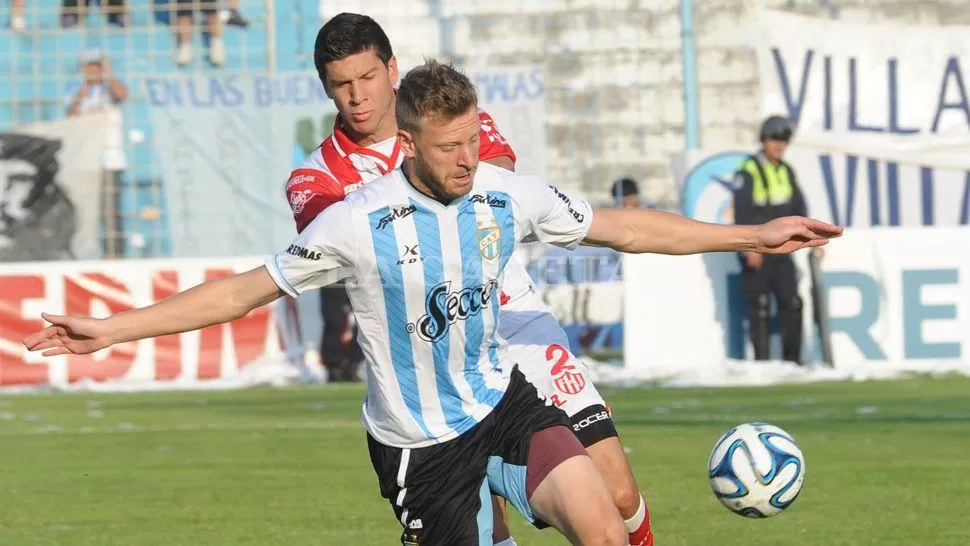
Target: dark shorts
{"points": [[441, 493], [189, 7]]}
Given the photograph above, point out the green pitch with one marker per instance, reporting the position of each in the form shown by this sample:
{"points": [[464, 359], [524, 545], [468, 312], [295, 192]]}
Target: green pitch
{"points": [[887, 464]]}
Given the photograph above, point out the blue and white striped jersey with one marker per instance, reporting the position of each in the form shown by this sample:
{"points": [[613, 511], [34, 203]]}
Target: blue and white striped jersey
{"points": [[424, 280]]}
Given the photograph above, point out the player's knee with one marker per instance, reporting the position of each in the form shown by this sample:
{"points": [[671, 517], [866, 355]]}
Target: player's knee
{"points": [[626, 497], [615, 534]]}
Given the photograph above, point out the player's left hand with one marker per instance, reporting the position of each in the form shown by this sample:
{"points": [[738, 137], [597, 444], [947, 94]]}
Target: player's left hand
{"points": [[791, 233], [70, 335]]}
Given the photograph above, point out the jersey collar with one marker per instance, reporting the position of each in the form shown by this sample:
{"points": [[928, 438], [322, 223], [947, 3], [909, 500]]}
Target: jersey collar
{"points": [[345, 147]]}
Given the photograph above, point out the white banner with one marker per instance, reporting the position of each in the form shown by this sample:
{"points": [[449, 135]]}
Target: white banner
{"points": [[883, 116], [212, 355], [515, 97], [227, 145], [50, 189], [895, 296]]}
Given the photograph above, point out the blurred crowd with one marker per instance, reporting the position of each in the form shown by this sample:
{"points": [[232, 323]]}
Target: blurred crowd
{"points": [[211, 15]]}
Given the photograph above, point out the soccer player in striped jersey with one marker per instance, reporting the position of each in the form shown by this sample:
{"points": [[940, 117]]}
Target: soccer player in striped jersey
{"points": [[448, 418], [354, 59]]}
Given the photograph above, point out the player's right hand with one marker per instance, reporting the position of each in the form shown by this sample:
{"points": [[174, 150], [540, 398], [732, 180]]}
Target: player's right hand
{"points": [[753, 260], [69, 335]]}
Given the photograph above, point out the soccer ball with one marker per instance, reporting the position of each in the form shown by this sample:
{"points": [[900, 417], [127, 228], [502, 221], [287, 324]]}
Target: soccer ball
{"points": [[756, 470]]}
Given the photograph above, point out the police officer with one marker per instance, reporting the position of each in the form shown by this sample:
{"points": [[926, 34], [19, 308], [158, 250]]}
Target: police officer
{"points": [[765, 189]]}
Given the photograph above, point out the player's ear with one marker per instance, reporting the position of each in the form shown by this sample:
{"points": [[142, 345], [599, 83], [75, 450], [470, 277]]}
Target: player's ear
{"points": [[392, 70], [408, 146]]}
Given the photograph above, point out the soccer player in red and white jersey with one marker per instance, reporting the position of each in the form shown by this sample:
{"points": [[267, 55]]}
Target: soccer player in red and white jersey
{"points": [[355, 62]]}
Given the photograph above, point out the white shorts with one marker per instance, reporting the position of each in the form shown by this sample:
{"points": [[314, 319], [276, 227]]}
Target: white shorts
{"points": [[540, 348]]}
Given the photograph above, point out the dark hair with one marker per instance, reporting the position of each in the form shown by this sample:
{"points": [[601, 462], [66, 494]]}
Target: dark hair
{"points": [[624, 187], [347, 34], [433, 89]]}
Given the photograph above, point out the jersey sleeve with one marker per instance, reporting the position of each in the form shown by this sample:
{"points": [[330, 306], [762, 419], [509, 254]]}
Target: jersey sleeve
{"points": [[491, 142], [309, 192], [321, 254], [549, 215]]}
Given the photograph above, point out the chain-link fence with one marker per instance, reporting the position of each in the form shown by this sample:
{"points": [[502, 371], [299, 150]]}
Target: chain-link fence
{"points": [[611, 74]]}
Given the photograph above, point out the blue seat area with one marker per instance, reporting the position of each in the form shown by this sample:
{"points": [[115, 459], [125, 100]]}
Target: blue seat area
{"points": [[43, 63]]}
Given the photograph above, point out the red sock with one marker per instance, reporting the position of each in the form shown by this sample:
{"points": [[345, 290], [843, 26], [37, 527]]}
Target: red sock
{"points": [[639, 527]]}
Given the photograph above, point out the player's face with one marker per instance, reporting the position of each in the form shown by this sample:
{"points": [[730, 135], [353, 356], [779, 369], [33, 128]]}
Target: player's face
{"points": [[444, 154], [362, 88], [775, 149]]}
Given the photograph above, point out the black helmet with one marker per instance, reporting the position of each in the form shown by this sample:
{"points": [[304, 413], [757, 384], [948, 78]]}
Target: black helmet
{"points": [[777, 128]]}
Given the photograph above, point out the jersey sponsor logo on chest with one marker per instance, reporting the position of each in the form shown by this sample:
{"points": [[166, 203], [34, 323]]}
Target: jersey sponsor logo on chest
{"points": [[445, 308]]}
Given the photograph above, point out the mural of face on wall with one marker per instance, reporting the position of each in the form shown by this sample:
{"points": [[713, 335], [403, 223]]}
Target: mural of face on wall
{"points": [[37, 218]]}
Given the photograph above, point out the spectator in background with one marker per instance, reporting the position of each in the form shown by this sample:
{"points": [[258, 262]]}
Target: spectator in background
{"points": [[101, 91], [765, 189], [626, 193], [185, 18], [17, 21], [73, 12], [232, 16]]}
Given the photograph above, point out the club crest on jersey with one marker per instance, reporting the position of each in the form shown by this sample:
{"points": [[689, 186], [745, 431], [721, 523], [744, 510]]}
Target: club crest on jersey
{"points": [[489, 239], [298, 200], [566, 376], [444, 308]]}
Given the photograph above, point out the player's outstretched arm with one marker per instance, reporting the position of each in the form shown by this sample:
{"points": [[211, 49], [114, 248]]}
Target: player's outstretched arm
{"points": [[209, 303], [644, 230]]}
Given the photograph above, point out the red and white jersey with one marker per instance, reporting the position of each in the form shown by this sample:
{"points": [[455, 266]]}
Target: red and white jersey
{"points": [[338, 167]]}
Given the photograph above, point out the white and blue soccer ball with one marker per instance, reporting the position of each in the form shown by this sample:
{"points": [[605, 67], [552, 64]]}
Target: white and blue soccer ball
{"points": [[756, 470]]}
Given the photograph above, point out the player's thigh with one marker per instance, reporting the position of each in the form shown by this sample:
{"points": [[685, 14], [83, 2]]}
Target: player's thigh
{"points": [[573, 497], [521, 418], [439, 494]]}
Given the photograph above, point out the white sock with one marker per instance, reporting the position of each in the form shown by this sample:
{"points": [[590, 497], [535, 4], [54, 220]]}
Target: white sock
{"points": [[507, 542], [634, 523]]}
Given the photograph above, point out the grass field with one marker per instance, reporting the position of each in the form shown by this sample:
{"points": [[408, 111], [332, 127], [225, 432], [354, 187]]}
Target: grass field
{"points": [[887, 463]]}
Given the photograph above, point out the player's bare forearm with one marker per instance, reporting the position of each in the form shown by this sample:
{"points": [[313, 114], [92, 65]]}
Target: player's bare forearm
{"points": [[213, 302], [638, 231]]}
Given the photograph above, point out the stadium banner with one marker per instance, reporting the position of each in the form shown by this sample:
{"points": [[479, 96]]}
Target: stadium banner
{"points": [[840, 187], [582, 288], [896, 298], [50, 189], [515, 97], [215, 356], [882, 126], [227, 144]]}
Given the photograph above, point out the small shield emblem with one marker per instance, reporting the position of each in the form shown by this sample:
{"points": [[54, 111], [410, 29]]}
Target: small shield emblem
{"points": [[570, 383], [490, 241]]}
